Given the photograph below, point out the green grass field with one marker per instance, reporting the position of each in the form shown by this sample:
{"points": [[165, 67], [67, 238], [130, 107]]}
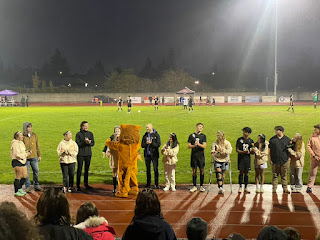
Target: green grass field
{"points": [[50, 122]]}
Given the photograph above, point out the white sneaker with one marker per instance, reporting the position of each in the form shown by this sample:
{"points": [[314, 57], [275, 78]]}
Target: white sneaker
{"points": [[261, 190], [240, 190], [258, 190], [193, 189], [166, 189], [173, 189], [202, 189], [221, 190]]}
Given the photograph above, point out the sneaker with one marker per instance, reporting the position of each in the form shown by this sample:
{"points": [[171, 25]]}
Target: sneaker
{"points": [[240, 190], [202, 189], [70, 189], [64, 189], [88, 187], [193, 189], [114, 190], [261, 190], [309, 190], [39, 189], [258, 190], [28, 190], [246, 190], [157, 187], [21, 191], [286, 191], [221, 190], [19, 194], [166, 189], [173, 189]]}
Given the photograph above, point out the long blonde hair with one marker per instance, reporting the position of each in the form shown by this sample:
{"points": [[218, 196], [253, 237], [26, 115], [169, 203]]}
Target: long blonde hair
{"points": [[221, 137], [299, 142]]}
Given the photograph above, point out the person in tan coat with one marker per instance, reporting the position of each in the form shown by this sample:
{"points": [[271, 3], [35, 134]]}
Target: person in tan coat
{"points": [[170, 151], [260, 151], [19, 156], [313, 148], [297, 152], [31, 142], [67, 151], [220, 151]]}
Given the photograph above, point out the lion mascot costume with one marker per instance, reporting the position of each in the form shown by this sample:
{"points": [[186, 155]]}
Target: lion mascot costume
{"points": [[128, 153]]}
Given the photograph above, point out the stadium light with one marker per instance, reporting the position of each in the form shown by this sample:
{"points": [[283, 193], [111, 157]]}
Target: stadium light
{"points": [[69, 85], [86, 84], [196, 82], [60, 73]]}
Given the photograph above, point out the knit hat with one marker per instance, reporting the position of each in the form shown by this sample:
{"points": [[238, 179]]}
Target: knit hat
{"points": [[236, 236], [197, 229], [272, 233], [317, 126]]}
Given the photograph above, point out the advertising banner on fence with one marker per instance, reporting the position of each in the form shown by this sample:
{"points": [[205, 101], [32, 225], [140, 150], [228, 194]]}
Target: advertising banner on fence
{"points": [[252, 99], [284, 99], [135, 99], [269, 99], [219, 99], [234, 99], [168, 99]]}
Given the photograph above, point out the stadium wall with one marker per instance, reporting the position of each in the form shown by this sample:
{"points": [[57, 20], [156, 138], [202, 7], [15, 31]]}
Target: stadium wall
{"points": [[87, 97]]}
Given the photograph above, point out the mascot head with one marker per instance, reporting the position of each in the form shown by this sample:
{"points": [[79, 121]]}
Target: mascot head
{"points": [[130, 134]]}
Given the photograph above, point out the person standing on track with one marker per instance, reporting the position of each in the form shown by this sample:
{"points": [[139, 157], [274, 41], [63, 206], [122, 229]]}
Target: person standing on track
{"points": [[220, 151], [190, 103], [156, 103], [197, 142], [85, 141], [315, 99], [243, 147]]}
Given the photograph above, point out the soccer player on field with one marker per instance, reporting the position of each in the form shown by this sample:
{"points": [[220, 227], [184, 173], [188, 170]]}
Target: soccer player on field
{"points": [[119, 104], [197, 142], [156, 103], [190, 103], [244, 148], [129, 105], [315, 99], [291, 104]]}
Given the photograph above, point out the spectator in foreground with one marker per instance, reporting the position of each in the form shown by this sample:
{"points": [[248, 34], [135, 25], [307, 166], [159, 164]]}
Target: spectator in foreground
{"points": [[292, 233], [272, 232], [88, 220], [11, 220], [148, 222], [53, 217], [197, 229]]}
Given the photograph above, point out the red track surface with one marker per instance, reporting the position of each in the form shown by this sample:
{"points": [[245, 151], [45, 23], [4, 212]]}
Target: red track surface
{"points": [[242, 213]]}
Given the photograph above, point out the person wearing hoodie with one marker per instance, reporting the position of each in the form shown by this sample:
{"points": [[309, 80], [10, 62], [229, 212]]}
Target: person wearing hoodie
{"points": [[85, 141], [88, 220], [30, 140], [151, 142], [67, 151], [170, 151], [148, 222], [19, 157]]}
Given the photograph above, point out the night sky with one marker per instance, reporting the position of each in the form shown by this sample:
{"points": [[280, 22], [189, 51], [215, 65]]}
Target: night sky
{"points": [[125, 32]]}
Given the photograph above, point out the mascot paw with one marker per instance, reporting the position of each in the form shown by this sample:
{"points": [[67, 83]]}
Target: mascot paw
{"points": [[121, 195], [133, 192]]}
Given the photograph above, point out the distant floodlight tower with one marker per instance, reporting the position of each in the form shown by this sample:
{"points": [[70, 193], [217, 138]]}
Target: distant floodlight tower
{"points": [[276, 52], [86, 84]]}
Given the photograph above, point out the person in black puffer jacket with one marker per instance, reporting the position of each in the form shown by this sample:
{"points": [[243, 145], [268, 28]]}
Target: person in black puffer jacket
{"points": [[85, 141], [148, 222]]}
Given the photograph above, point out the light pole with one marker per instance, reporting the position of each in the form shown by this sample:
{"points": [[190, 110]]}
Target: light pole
{"points": [[276, 53]]}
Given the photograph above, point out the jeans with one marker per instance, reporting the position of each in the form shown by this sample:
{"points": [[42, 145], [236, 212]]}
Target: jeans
{"points": [[155, 163], [86, 160], [35, 169], [68, 171]]}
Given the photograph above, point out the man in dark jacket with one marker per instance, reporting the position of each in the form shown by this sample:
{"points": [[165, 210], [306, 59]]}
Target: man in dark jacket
{"points": [[151, 143], [279, 156], [85, 141]]}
